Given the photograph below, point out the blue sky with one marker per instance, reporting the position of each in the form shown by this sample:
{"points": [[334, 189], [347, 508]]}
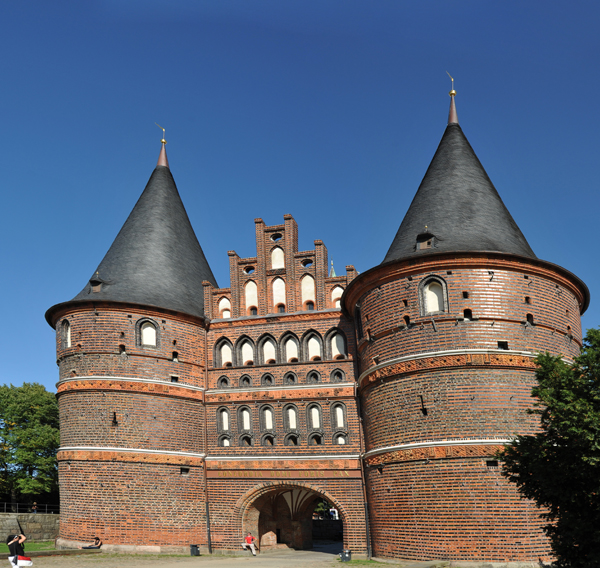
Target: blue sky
{"points": [[329, 110]]}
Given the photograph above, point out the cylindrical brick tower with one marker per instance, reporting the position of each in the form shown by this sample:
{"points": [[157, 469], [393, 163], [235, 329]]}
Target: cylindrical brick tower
{"points": [[131, 353], [448, 327]]}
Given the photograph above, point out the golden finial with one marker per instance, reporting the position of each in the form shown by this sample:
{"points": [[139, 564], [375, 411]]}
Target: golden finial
{"points": [[163, 141], [452, 92]]}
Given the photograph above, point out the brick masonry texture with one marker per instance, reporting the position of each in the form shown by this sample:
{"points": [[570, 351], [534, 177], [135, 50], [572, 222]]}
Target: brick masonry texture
{"points": [[154, 435]]}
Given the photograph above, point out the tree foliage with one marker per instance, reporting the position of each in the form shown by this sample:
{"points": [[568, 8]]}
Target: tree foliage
{"points": [[559, 467], [29, 440]]}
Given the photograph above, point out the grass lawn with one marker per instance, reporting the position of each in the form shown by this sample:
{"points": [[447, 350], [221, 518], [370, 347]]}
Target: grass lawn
{"points": [[31, 546]]}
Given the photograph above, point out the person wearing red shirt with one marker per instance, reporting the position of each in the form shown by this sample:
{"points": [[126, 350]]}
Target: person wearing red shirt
{"points": [[249, 542]]}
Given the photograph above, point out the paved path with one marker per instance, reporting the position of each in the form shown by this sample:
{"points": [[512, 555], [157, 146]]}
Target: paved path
{"points": [[285, 559]]}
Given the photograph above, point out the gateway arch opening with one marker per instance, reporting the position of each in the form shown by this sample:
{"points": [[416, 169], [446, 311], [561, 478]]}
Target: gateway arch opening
{"points": [[294, 517]]}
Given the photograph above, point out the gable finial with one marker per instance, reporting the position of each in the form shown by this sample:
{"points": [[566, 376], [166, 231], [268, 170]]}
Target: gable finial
{"points": [[163, 141], [452, 93], [452, 116]]}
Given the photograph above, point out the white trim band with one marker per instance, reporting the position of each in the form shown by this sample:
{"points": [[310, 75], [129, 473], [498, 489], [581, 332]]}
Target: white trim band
{"points": [[230, 390], [130, 379], [129, 450], [279, 457], [439, 443], [449, 353]]}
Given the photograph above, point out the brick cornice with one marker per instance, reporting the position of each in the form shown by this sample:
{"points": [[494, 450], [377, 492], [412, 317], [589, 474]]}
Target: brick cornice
{"points": [[129, 455], [522, 360], [446, 449], [124, 384], [306, 392], [447, 261]]}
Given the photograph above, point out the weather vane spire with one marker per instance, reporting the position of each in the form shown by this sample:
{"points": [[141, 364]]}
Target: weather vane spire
{"points": [[452, 92], [163, 141]]}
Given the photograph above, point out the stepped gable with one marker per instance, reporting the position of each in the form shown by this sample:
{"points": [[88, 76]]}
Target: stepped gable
{"points": [[457, 207], [156, 259]]}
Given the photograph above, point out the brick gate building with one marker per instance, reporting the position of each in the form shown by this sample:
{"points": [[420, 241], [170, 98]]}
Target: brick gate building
{"points": [[202, 412]]}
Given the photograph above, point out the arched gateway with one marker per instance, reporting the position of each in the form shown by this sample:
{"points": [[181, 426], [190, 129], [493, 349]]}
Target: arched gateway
{"points": [[281, 513]]}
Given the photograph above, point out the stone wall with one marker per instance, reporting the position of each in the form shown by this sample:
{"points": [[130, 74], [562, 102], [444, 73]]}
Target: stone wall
{"points": [[36, 527]]}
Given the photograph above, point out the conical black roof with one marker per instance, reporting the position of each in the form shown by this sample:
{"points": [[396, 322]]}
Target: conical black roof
{"points": [[457, 208], [156, 259]]}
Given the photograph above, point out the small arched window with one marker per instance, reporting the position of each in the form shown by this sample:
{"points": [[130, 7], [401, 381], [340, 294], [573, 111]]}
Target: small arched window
{"points": [[224, 308], [223, 383], [268, 352], [65, 331], [337, 376], [340, 439], [245, 381], [291, 440], [247, 353], [338, 346], [224, 441], [290, 379], [433, 296], [147, 334], [268, 440], [277, 258], [267, 419], [244, 419], [307, 287], [290, 418], [223, 420], [338, 416], [267, 380], [225, 355], [251, 294], [314, 349], [245, 441], [313, 377], [314, 417], [291, 350], [315, 440], [278, 287], [336, 295], [468, 315]]}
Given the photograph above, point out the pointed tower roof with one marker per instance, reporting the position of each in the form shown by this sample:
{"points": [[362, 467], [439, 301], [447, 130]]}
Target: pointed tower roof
{"points": [[457, 207], [156, 259]]}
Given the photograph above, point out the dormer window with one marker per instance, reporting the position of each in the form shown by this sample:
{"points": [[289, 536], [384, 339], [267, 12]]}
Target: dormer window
{"points": [[425, 241]]}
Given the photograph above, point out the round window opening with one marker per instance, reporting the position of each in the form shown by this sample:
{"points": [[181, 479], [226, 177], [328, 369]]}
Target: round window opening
{"points": [[249, 269], [276, 237], [307, 263]]}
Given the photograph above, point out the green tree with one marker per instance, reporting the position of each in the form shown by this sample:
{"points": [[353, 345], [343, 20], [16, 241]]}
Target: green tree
{"points": [[559, 467], [29, 440]]}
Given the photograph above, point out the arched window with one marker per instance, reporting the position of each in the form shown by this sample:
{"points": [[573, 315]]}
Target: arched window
{"points": [[268, 440], [315, 440], [307, 287], [223, 354], [223, 383], [246, 353], [245, 381], [468, 315], [277, 258], [338, 416], [291, 440], [278, 287], [340, 439], [224, 308], [313, 377], [269, 355], [337, 376], [267, 419], [223, 420], [291, 350], [314, 349], [433, 296], [245, 441], [65, 331], [290, 379], [336, 295], [290, 417], [224, 441], [338, 346], [148, 334], [313, 417], [267, 380], [251, 293], [244, 419]]}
